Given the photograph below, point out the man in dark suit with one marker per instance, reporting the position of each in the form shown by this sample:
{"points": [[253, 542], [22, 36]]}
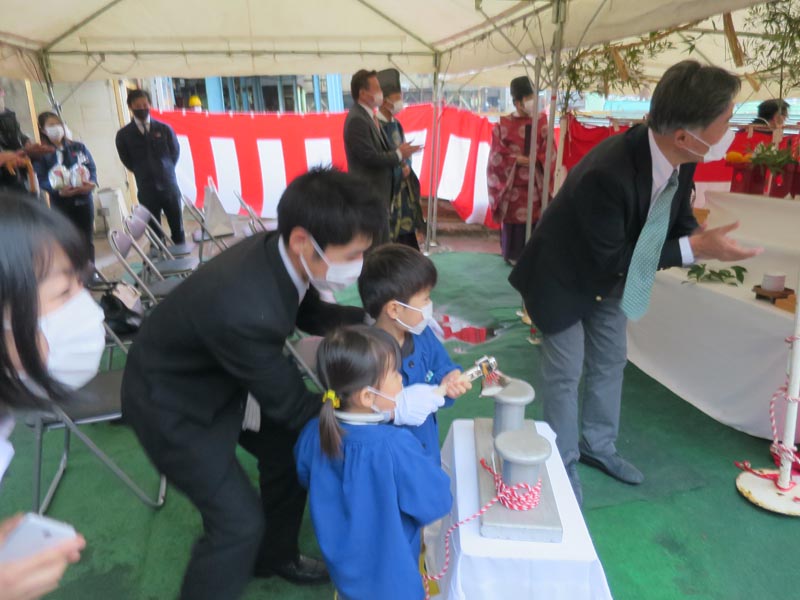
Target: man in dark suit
{"points": [[369, 154], [623, 212], [150, 149], [221, 334]]}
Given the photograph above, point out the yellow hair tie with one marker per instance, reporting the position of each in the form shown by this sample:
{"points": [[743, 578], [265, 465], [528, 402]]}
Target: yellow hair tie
{"points": [[331, 395]]}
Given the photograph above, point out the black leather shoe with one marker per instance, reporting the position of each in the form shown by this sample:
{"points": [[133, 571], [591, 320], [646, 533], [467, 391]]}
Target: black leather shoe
{"points": [[616, 466], [300, 571]]}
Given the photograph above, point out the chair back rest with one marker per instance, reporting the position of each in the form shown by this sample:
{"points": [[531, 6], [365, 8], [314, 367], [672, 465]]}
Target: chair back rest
{"points": [[142, 213], [120, 242], [136, 227]]}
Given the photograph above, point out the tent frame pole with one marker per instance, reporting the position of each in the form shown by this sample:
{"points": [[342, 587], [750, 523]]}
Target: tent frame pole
{"points": [[560, 17], [533, 148], [433, 187]]}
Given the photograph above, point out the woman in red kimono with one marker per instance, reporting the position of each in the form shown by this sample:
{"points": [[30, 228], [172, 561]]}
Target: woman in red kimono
{"points": [[507, 172]]}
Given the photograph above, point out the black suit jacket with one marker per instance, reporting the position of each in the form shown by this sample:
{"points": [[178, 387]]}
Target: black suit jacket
{"points": [[152, 157], [582, 247], [369, 155], [221, 334]]}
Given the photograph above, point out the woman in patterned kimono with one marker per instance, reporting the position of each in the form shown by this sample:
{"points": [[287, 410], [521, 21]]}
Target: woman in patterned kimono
{"points": [[507, 171], [405, 215]]}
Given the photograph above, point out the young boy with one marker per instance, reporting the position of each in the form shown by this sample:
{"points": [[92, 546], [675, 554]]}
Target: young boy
{"points": [[395, 287]]}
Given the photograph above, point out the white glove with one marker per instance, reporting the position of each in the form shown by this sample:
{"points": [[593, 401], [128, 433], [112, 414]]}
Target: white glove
{"points": [[415, 403]]}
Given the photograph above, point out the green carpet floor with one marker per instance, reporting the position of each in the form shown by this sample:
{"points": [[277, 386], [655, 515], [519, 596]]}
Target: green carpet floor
{"points": [[684, 533]]}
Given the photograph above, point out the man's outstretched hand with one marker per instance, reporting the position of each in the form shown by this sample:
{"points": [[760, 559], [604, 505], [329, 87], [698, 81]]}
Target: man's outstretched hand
{"points": [[715, 243]]}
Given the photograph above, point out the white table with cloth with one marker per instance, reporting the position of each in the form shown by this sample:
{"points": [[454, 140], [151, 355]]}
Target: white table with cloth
{"points": [[492, 569], [715, 345]]}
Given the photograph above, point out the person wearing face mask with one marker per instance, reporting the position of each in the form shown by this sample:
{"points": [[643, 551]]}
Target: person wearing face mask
{"points": [[150, 150], [508, 171], [405, 215], [395, 288], [371, 487], [75, 199], [220, 335], [370, 155], [623, 212], [52, 342]]}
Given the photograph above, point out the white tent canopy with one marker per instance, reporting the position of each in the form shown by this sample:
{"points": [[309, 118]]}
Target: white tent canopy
{"points": [[710, 47], [100, 39]]}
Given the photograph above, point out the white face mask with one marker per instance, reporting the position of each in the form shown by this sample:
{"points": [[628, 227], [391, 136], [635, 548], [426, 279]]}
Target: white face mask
{"points": [[427, 315], [339, 275], [387, 415], [716, 151], [377, 100], [55, 133], [398, 106], [529, 106], [6, 449], [76, 339]]}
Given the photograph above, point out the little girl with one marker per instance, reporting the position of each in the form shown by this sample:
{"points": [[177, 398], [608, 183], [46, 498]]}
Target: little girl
{"points": [[371, 486]]}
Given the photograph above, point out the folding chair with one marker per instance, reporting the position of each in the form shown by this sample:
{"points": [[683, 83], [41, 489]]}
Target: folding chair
{"points": [[121, 245], [256, 224], [137, 229], [203, 234], [155, 232], [96, 402]]}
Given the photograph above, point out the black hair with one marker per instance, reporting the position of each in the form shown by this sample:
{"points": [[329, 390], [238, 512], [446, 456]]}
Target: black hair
{"points": [[769, 108], [520, 88], [29, 235], [360, 81], [42, 119], [348, 360], [334, 207], [393, 272], [691, 96], [136, 94]]}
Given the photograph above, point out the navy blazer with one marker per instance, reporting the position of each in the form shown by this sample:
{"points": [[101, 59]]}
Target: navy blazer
{"points": [[582, 247], [152, 157]]}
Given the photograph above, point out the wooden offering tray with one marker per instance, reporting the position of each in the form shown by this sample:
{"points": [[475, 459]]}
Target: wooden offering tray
{"points": [[762, 294]]}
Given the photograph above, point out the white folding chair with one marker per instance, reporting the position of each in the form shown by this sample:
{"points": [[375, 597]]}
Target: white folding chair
{"points": [[121, 244]]}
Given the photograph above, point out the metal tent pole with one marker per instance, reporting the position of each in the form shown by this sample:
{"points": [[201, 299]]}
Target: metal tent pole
{"points": [[534, 146], [433, 159], [559, 17]]}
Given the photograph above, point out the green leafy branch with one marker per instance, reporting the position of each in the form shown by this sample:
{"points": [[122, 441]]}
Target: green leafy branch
{"points": [[700, 272]]}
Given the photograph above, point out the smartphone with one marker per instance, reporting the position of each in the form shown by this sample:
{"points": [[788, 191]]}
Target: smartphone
{"points": [[33, 534]]}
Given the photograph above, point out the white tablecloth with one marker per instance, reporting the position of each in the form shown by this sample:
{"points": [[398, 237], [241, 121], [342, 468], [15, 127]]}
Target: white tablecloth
{"points": [[715, 345], [487, 569]]}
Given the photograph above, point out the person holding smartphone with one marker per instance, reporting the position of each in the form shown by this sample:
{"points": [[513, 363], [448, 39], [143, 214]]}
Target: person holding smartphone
{"points": [[52, 342]]}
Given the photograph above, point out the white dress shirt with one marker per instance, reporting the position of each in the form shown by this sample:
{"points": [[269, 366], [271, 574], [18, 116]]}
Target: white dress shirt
{"points": [[297, 280], [662, 170], [142, 125]]}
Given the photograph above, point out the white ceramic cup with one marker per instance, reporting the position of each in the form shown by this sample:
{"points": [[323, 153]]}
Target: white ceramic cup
{"points": [[773, 282]]}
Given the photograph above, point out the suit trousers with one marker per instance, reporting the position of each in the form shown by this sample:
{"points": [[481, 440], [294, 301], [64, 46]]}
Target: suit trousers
{"points": [[168, 201], [241, 532], [597, 348]]}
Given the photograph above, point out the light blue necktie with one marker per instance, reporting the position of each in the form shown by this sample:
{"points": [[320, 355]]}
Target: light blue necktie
{"points": [[646, 254]]}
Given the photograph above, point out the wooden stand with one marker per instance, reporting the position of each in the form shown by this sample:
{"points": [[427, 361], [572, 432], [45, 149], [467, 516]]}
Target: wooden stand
{"points": [[762, 294]]}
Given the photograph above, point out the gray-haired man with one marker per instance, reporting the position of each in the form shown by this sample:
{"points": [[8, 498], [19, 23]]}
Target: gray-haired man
{"points": [[622, 213]]}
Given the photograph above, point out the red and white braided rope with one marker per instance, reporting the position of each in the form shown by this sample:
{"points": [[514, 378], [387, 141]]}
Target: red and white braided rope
{"points": [[507, 496], [778, 447]]}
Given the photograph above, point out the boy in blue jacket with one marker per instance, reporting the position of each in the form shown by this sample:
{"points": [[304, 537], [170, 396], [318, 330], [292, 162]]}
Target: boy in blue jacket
{"points": [[395, 287]]}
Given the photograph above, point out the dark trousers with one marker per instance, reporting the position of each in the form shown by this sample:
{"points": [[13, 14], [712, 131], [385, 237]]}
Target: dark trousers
{"points": [[240, 530], [80, 211], [512, 240], [408, 239], [168, 201]]}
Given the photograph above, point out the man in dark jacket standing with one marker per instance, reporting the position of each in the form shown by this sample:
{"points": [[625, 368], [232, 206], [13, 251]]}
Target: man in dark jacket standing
{"points": [[370, 155], [150, 150], [623, 212]]}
